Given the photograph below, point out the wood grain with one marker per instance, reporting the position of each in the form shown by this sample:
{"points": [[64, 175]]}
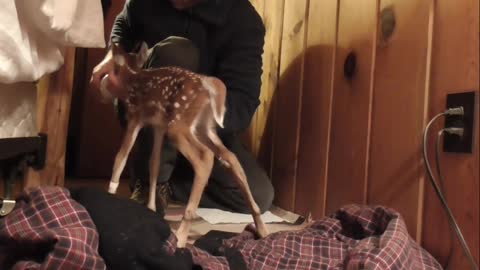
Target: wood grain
{"points": [[316, 108], [455, 68], [288, 101], [395, 166], [42, 96], [351, 104], [273, 20]]}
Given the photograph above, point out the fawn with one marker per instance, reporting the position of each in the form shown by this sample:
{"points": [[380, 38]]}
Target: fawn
{"points": [[185, 107]]}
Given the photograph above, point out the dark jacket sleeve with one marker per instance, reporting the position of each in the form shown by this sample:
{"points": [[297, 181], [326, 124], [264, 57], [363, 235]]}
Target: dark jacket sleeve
{"points": [[240, 68], [123, 30]]}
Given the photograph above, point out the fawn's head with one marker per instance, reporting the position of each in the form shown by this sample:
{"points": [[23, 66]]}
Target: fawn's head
{"points": [[125, 67], [126, 64]]}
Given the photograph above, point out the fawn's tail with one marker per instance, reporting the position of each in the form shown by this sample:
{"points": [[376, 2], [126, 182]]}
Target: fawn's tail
{"points": [[217, 90]]}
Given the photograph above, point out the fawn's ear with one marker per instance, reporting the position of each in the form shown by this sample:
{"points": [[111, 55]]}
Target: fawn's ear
{"points": [[119, 60], [115, 49], [118, 55], [142, 55]]}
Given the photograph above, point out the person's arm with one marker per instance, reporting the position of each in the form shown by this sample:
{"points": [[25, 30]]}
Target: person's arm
{"points": [[240, 68], [123, 34], [123, 29]]}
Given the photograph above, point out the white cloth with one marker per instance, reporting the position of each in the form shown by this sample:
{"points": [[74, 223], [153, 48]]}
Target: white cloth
{"points": [[35, 33], [18, 110], [217, 216]]}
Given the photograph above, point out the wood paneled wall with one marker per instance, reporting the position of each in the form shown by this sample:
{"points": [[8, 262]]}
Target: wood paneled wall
{"points": [[328, 140], [455, 68]]}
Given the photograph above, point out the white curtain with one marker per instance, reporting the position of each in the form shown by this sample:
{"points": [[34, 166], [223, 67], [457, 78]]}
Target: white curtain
{"points": [[34, 34]]}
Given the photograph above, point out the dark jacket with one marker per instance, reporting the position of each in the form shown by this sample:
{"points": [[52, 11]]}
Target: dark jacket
{"points": [[228, 33]]}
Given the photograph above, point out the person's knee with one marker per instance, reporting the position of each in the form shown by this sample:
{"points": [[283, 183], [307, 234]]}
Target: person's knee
{"points": [[174, 51], [263, 194], [261, 188]]}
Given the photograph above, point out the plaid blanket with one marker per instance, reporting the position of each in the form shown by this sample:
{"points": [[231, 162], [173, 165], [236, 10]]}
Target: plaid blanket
{"points": [[355, 237], [48, 230]]}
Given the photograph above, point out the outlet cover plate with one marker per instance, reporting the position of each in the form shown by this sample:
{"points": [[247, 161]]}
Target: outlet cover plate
{"points": [[455, 143]]}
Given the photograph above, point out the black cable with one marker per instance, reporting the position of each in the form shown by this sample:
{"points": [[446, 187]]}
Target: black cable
{"points": [[443, 189], [439, 193], [437, 161]]}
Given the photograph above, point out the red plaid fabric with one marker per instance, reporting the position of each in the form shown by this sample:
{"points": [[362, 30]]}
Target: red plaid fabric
{"points": [[355, 237], [49, 230]]}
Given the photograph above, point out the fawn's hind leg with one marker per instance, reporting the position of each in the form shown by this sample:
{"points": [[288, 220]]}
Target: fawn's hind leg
{"points": [[201, 159], [230, 161]]}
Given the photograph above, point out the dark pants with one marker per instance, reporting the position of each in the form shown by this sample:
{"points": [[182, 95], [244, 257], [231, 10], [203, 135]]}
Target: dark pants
{"points": [[222, 191]]}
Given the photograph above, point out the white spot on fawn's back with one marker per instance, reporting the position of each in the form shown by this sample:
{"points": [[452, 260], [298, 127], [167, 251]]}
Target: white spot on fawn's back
{"points": [[160, 106]]}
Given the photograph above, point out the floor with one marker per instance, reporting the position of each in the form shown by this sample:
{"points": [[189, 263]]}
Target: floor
{"points": [[174, 213]]}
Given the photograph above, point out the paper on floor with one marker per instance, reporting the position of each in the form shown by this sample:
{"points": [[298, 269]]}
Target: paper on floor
{"points": [[217, 216]]}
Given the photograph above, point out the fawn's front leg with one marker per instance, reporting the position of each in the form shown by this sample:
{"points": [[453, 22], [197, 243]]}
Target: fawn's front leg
{"points": [[122, 155], [155, 166]]}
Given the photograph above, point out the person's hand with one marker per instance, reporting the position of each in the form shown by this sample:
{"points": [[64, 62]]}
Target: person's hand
{"points": [[103, 68]]}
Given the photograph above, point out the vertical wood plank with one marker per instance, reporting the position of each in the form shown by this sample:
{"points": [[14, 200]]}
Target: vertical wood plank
{"points": [[351, 104], [395, 164], [316, 107], [55, 112], [455, 68], [42, 95], [249, 136], [273, 19], [288, 103]]}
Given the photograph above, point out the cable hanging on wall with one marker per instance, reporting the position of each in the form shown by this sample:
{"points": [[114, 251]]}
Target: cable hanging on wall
{"points": [[440, 190]]}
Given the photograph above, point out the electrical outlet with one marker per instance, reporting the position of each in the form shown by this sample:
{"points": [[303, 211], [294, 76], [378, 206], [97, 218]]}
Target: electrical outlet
{"points": [[454, 143]]}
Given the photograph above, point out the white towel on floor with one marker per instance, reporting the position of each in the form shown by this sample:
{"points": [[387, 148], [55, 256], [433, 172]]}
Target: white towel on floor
{"points": [[217, 216], [34, 34]]}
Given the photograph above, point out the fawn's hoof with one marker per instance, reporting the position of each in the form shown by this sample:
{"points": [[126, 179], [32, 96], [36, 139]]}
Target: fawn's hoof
{"points": [[112, 187], [152, 207], [262, 232], [181, 240]]}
